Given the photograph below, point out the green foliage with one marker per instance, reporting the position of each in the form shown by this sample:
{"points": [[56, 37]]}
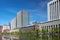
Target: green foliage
{"points": [[31, 34], [44, 31], [12, 33]]}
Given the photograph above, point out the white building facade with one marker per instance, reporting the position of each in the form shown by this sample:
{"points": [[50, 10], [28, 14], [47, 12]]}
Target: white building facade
{"points": [[53, 10], [53, 17], [5, 27], [22, 19], [13, 23], [50, 24]]}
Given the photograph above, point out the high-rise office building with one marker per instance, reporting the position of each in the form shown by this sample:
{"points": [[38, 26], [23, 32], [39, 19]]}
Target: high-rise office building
{"points": [[22, 19], [13, 23], [54, 10]]}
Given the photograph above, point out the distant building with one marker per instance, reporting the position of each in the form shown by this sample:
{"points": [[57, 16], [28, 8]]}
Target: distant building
{"points": [[6, 28], [54, 10], [13, 23], [34, 23], [22, 19], [1, 27], [30, 27]]}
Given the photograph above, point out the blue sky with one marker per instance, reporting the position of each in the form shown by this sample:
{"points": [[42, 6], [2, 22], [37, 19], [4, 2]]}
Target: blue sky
{"points": [[37, 9]]}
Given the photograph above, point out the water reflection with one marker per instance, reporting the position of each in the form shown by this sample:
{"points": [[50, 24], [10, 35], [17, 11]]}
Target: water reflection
{"points": [[42, 37], [7, 38]]}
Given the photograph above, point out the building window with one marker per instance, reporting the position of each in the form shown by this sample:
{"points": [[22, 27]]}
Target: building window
{"points": [[49, 27], [42, 27], [59, 0], [59, 25], [59, 28], [56, 26], [45, 27]]}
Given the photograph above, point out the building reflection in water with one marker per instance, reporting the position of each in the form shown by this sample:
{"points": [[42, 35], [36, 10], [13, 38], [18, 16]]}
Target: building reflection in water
{"points": [[5, 38], [42, 37]]}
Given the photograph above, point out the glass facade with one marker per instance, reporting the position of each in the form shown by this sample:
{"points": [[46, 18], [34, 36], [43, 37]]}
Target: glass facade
{"points": [[22, 19]]}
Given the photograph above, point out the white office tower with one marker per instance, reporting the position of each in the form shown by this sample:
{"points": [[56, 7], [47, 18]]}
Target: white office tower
{"points": [[54, 10], [13, 23], [22, 19]]}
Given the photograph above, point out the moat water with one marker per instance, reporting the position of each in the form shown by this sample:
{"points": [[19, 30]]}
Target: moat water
{"points": [[42, 37]]}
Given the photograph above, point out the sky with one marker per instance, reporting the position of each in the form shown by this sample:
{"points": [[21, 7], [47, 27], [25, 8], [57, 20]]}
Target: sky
{"points": [[37, 10]]}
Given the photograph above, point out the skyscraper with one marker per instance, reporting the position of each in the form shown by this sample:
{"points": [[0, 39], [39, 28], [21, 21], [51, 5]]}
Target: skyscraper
{"points": [[54, 10], [13, 23], [22, 19]]}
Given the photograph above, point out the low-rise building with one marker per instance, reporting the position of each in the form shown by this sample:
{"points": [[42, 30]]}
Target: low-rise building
{"points": [[1, 29], [50, 25], [15, 30], [6, 28], [30, 27]]}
